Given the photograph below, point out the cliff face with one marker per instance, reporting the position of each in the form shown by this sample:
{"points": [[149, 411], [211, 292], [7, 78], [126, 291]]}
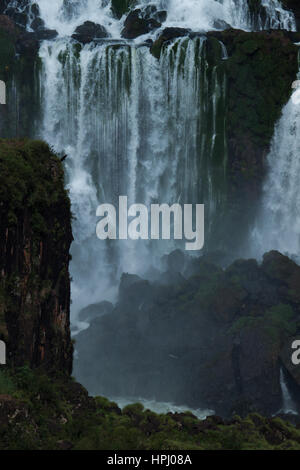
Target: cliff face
{"points": [[35, 237], [19, 68], [260, 71]]}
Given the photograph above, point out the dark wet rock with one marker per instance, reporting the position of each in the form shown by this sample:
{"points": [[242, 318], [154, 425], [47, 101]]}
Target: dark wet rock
{"points": [[127, 280], [168, 34], [222, 331], [95, 310], [151, 11], [171, 277], [23, 13], [89, 31], [174, 261], [120, 7], [133, 292], [172, 33], [202, 268], [37, 24], [34, 320], [19, 18], [27, 44], [221, 24], [8, 26], [282, 270], [255, 60], [136, 25], [46, 34], [3, 6]]}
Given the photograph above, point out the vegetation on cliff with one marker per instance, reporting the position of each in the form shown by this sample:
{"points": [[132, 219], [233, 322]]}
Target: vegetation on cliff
{"points": [[200, 335], [35, 238], [19, 65], [37, 413]]}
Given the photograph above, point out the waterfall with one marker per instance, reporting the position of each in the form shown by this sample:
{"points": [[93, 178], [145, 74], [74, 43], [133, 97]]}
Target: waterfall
{"points": [[276, 16], [137, 126], [64, 16], [278, 222], [288, 405], [153, 130], [199, 15]]}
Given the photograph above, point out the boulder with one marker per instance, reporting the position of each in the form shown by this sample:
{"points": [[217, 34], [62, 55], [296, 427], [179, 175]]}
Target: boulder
{"points": [[221, 24], [284, 272], [3, 6], [7, 25], [174, 261], [220, 331], [37, 24], [168, 34], [95, 310], [172, 33], [136, 25], [46, 34], [89, 31], [120, 7]]}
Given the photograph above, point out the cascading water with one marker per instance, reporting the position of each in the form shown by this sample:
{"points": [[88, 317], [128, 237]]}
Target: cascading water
{"points": [[125, 119], [278, 223], [199, 15], [288, 405], [152, 129], [132, 125]]}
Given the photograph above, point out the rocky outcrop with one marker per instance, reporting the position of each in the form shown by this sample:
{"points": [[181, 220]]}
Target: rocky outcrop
{"points": [[89, 31], [19, 64], [214, 340], [35, 237], [260, 71], [294, 6], [120, 7], [95, 311], [26, 15], [138, 23]]}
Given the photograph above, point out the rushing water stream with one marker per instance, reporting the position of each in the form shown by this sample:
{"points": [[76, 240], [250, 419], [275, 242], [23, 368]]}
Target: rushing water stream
{"points": [[278, 223]]}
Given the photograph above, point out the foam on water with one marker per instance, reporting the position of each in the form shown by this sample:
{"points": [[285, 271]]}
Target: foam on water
{"points": [[162, 407], [198, 15]]}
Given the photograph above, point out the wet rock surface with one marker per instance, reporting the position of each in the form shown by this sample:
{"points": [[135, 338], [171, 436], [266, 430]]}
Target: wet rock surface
{"points": [[213, 340], [89, 31], [137, 24], [34, 257]]}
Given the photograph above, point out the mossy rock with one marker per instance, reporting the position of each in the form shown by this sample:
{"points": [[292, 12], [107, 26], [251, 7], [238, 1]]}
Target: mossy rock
{"points": [[120, 7]]}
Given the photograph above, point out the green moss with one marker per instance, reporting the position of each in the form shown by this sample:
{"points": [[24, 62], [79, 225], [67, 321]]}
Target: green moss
{"points": [[7, 385], [51, 414], [25, 167], [277, 322]]}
